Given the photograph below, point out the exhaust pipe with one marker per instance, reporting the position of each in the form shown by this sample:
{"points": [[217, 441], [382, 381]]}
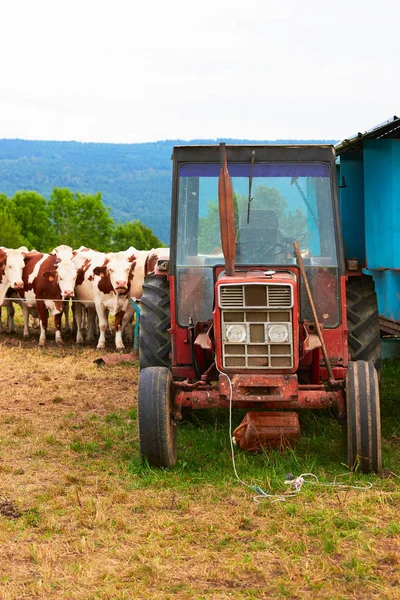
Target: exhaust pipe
{"points": [[226, 214]]}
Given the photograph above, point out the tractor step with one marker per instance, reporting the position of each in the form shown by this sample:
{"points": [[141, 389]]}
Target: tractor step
{"points": [[271, 429]]}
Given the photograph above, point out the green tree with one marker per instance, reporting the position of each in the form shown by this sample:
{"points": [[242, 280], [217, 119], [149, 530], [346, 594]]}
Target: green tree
{"points": [[81, 219], [10, 231], [134, 233], [30, 211]]}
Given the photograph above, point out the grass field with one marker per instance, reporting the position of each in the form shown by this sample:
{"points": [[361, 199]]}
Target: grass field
{"points": [[83, 519]]}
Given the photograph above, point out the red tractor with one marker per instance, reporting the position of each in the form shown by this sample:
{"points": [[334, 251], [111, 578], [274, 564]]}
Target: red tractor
{"points": [[256, 307]]}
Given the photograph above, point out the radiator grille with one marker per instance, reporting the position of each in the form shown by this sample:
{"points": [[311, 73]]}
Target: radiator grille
{"points": [[257, 326], [232, 296], [269, 296]]}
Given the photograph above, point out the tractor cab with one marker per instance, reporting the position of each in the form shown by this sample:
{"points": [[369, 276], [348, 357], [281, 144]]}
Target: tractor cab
{"points": [[251, 309], [280, 195]]}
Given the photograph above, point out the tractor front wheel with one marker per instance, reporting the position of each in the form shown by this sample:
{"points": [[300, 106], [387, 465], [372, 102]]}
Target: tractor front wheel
{"points": [[363, 417], [157, 427]]}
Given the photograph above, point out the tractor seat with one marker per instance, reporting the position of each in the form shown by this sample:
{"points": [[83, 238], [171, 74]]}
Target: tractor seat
{"points": [[261, 230]]}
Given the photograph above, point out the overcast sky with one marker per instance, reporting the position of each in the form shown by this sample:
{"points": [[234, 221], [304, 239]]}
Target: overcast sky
{"points": [[136, 71]]}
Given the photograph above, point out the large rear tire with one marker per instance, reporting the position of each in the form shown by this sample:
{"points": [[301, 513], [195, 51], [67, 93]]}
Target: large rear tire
{"points": [[363, 320], [155, 321], [363, 417], [157, 428]]}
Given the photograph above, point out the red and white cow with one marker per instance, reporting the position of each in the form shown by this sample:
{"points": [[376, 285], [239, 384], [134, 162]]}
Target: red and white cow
{"points": [[11, 267], [146, 261], [104, 281], [48, 282]]}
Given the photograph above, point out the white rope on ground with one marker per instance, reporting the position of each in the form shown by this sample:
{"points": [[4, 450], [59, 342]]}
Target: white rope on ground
{"points": [[295, 483]]}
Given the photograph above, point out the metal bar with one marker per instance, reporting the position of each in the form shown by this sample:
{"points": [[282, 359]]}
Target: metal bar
{"points": [[226, 214], [306, 399]]}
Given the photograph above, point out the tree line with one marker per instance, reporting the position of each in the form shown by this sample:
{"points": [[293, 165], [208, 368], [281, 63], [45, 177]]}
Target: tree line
{"points": [[71, 218]]}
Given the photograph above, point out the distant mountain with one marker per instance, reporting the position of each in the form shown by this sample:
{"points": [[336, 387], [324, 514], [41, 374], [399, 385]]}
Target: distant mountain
{"points": [[134, 179]]}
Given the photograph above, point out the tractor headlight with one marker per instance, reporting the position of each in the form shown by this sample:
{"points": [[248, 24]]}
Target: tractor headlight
{"points": [[236, 334], [278, 333]]}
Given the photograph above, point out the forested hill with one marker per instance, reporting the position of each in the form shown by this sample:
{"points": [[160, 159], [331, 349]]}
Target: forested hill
{"points": [[134, 179]]}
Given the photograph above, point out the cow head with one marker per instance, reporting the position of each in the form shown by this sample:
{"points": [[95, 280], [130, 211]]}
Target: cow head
{"points": [[118, 268], [13, 267], [64, 273], [63, 252]]}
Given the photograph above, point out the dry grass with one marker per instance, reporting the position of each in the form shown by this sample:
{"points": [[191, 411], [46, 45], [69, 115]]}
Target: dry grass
{"points": [[91, 523]]}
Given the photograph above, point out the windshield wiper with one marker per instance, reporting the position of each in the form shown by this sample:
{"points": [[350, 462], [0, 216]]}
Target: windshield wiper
{"points": [[253, 156]]}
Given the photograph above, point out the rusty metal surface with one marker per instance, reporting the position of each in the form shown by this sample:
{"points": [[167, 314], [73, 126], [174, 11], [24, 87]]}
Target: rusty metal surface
{"points": [[114, 359], [311, 342], [267, 429], [203, 340], [226, 214], [260, 387], [389, 326], [306, 399]]}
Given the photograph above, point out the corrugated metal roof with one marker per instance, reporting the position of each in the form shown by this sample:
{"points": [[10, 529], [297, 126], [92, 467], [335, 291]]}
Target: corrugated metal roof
{"points": [[388, 129]]}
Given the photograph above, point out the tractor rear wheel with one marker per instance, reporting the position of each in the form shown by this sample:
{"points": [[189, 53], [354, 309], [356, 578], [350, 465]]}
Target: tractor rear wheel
{"points": [[363, 320], [155, 320], [363, 417], [157, 428]]}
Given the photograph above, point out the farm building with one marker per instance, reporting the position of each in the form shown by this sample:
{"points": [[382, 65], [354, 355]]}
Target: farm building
{"points": [[369, 197]]}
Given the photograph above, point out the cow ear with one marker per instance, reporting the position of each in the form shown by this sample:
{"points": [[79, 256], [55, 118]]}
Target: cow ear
{"points": [[100, 271], [133, 265], [50, 275], [132, 258]]}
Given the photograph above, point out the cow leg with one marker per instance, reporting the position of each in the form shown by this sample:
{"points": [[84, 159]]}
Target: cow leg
{"points": [[57, 323], [25, 314], [43, 321], [78, 322], [66, 315], [91, 325], [102, 316], [119, 344], [126, 322], [10, 316]]}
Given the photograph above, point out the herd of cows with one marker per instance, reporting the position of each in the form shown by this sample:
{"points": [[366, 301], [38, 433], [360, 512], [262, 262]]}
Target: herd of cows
{"points": [[97, 283]]}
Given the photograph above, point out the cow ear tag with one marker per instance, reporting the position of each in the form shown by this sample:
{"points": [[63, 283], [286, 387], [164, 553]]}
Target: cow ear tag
{"points": [[51, 278], [101, 274]]}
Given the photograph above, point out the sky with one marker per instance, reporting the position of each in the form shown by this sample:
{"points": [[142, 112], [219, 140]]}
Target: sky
{"points": [[139, 71]]}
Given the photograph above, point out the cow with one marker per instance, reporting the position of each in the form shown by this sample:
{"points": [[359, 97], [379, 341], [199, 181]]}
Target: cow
{"points": [[103, 282], [11, 267], [48, 282], [146, 262]]}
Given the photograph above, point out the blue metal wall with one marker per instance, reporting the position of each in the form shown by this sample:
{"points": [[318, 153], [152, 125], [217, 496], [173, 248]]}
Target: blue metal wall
{"points": [[370, 212], [351, 202], [382, 221], [382, 203]]}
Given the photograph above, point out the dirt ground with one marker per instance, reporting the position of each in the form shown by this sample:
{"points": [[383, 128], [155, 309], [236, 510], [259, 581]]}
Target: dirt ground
{"points": [[81, 519]]}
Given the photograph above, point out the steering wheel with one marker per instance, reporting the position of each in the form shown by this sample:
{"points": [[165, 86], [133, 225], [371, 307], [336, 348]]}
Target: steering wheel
{"points": [[281, 248]]}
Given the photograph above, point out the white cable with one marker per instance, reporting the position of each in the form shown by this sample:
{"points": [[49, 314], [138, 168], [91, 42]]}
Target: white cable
{"points": [[295, 483]]}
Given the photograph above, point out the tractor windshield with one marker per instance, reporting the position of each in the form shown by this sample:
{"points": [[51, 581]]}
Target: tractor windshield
{"points": [[285, 202], [275, 204]]}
